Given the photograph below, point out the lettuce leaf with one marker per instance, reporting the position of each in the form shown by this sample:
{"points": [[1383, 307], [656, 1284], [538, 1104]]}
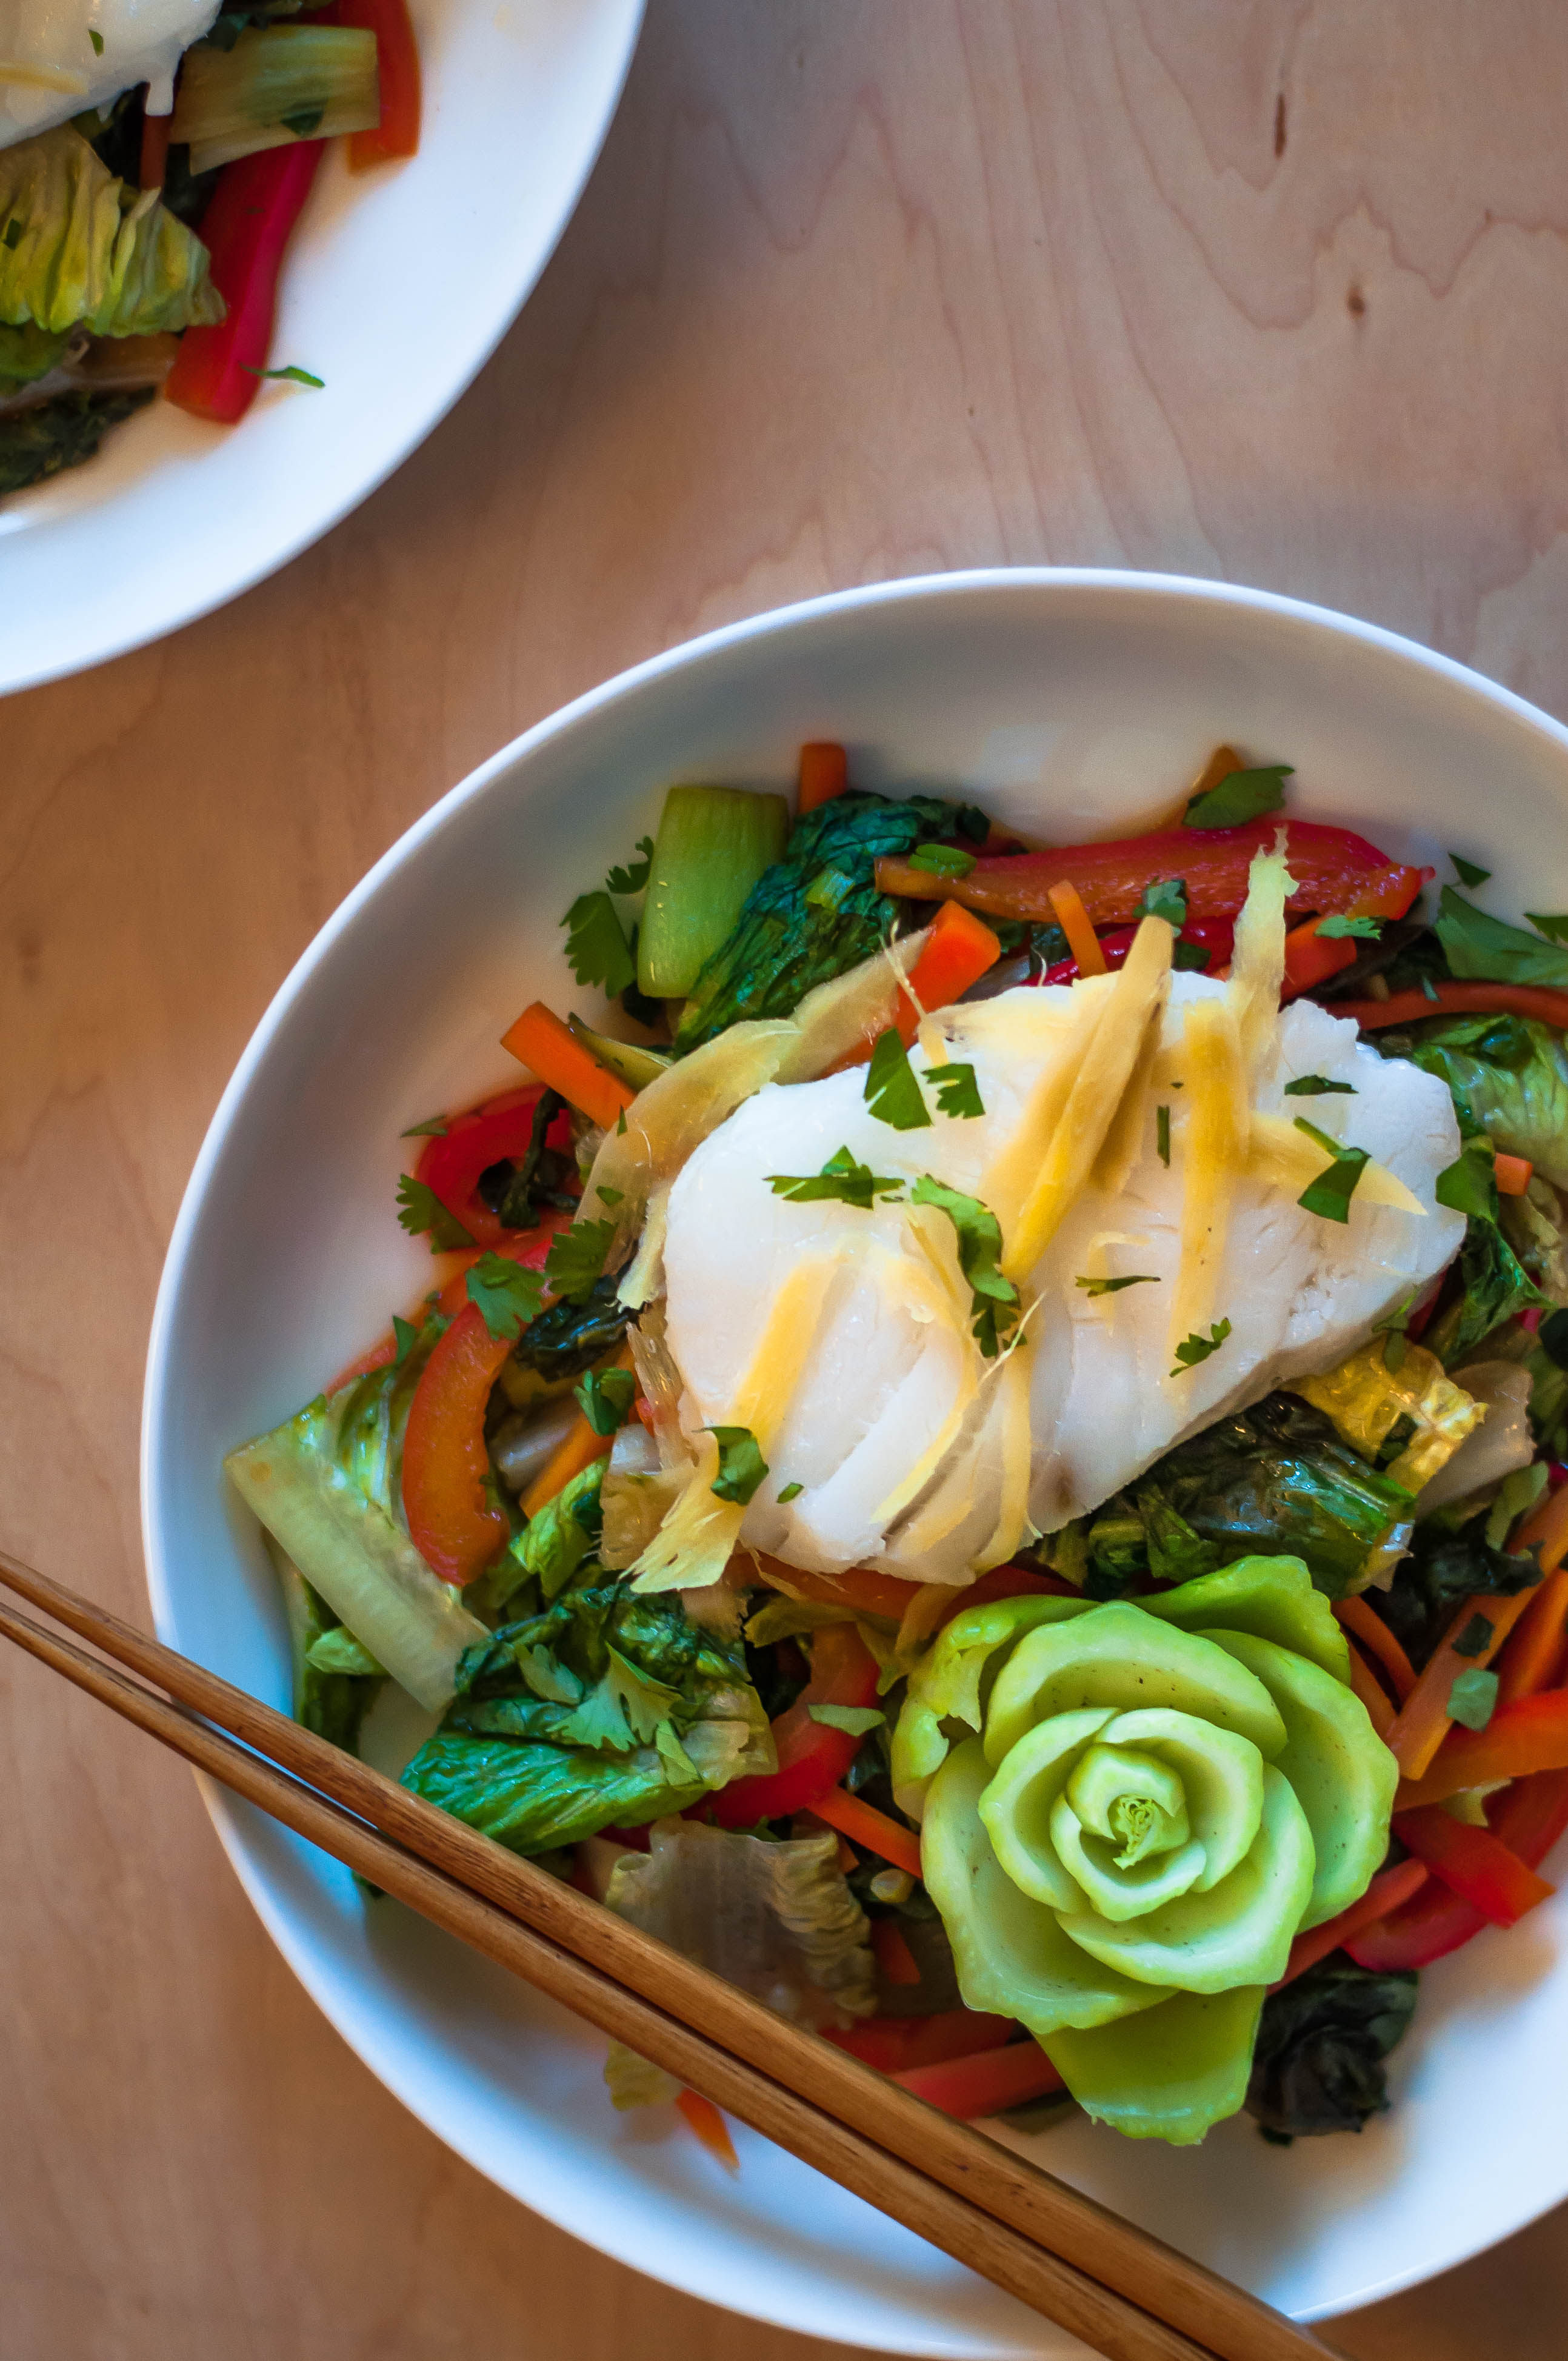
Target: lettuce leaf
{"points": [[90, 251], [1509, 1076]]}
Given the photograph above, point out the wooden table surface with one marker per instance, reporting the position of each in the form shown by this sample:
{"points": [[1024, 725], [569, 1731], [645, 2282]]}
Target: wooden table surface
{"points": [[1274, 291]]}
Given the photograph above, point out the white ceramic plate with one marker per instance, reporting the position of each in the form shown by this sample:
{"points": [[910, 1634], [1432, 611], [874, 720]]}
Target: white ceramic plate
{"points": [[397, 288], [1069, 703]]}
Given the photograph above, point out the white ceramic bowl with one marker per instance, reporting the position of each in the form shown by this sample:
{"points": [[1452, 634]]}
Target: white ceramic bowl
{"points": [[1070, 703], [397, 287]]}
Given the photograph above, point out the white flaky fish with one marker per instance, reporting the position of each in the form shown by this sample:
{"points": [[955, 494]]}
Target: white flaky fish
{"points": [[58, 57], [901, 1446]]}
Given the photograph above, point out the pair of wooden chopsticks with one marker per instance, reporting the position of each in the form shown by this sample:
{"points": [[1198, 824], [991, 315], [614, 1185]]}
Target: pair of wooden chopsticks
{"points": [[1123, 2292]]}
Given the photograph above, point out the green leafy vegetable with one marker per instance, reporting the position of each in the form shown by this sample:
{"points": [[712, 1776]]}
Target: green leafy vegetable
{"points": [[47, 437], [854, 1720], [1466, 871], [577, 1259], [714, 845], [1196, 1348], [307, 81], [742, 1466], [571, 1334], [330, 1697], [1555, 926], [96, 38], [289, 376], [1329, 1194], [994, 1306], [841, 1180], [783, 944], [942, 859], [338, 1650], [596, 948], [1164, 897], [791, 1492], [1340, 926], [1479, 945], [958, 1092], [1093, 1287], [1517, 1496], [506, 1295], [1316, 1086], [93, 253], [1508, 1077], [421, 1213], [1473, 1699], [1318, 2066], [892, 1092], [553, 1545], [406, 1335], [1442, 1570], [518, 1190], [605, 1397], [1475, 1635], [633, 876], [1495, 1283], [1162, 1135], [1239, 797]]}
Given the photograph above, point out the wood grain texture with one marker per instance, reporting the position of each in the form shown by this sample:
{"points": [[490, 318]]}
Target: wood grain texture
{"points": [[1276, 292]]}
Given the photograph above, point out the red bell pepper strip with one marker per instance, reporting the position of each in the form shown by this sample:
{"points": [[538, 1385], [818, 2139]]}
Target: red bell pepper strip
{"points": [[888, 1839], [499, 1130], [451, 1523], [1532, 1735], [1529, 1819], [813, 1756], [1330, 866], [1472, 1863], [984, 2084], [1459, 1000], [396, 65], [1310, 958], [895, 1961], [897, 2044], [244, 229], [1389, 1890], [1214, 937]]}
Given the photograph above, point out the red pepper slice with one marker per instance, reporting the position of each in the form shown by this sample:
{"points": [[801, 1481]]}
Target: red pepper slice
{"points": [[1330, 866], [1529, 1819], [1472, 1863], [897, 2044], [451, 1162], [1459, 1000], [451, 1523], [1214, 937], [397, 60], [984, 2084], [813, 1756], [244, 229]]}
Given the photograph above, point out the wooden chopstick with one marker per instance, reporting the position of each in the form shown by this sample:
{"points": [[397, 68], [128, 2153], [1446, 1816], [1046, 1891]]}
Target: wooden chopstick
{"points": [[1094, 2245]]}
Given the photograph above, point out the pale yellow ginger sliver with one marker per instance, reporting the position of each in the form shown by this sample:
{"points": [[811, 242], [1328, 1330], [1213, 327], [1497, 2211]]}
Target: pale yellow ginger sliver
{"points": [[1279, 1153], [1366, 1400], [1257, 961], [1013, 1515], [1107, 1068], [1124, 1141], [1214, 1143]]}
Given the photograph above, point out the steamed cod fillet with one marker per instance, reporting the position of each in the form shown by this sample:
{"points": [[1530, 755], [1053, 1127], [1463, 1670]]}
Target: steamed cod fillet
{"points": [[899, 1435]]}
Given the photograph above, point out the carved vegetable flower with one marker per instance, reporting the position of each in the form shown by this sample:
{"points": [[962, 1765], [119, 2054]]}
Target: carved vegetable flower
{"points": [[1131, 1810]]}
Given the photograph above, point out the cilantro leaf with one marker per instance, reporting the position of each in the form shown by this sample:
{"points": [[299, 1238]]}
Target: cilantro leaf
{"points": [[840, 1179], [596, 948], [633, 877], [1339, 927], [1553, 926], [96, 38], [507, 1296], [1093, 1287], [1162, 1135], [576, 1258], [1466, 871], [1468, 1185], [1329, 1194], [407, 1337], [605, 1397], [941, 860], [433, 1127], [791, 1492], [288, 376], [1239, 797], [608, 1196], [1164, 897], [892, 1092], [1475, 1635], [1198, 1349], [1473, 1699], [742, 1466], [855, 1719], [421, 1210], [994, 1303], [1316, 1086], [958, 1092]]}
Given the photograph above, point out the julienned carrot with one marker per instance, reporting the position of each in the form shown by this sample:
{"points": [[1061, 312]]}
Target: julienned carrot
{"points": [[397, 67], [1311, 957], [871, 1828], [894, 1955], [957, 952], [1512, 1174], [1389, 1890], [1459, 1000], [1518, 1740], [1472, 1863], [709, 2127], [1372, 1693], [1535, 1648], [1073, 919], [579, 1449], [1378, 1640], [540, 1041], [984, 2084], [1424, 1720], [824, 773]]}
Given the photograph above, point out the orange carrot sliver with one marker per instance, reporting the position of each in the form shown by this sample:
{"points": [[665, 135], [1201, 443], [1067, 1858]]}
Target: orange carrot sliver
{"points": [[579, 1450], [1073, 919], [824, 773], [982, 2084], [871, 1828], [1521, 1739], [1372, 1693], [1378, 1640], [957, 952], [540, 1041], [1512, 1174], [1535, 1647], [709, 2127], [1389, 1890], [1423, 1720]]}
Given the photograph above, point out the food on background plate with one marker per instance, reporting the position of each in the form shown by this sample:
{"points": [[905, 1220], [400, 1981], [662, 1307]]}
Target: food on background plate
{"points": [[986, 1455], [153, 163]]}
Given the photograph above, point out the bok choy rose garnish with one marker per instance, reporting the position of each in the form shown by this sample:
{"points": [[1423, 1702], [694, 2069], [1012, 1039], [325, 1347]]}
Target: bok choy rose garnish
{"points": [[1156, 1800]]}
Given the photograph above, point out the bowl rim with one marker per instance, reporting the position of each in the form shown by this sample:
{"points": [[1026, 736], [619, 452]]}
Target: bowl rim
{"points": [[228, 1816]]}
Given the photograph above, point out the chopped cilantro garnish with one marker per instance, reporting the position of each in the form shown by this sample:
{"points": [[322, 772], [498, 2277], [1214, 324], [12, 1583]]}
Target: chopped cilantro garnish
{"points": [[892, 1092], [1552, 925], [607, 1195], [1340, 927], [289, 376], [633, 877], [420, 1210], [96, 38], [855, 1719], [942, 859], [994, 1303], [829, 889], [506, 1295], [1469, 1184], [1239, 797], [841, 1179], [1162, 1135], [1329, 1194], [1476, 1634], [958, 1092], [742, 1466], [1466, 871], [791, 1492], [433, 1127], [605, 1397], [621, 1124], [597, 949], [407, 1336], [576, 1258], [1164, 897], [1198, 1349], [1317, 1086], [1093, 1287], [1473, 1699]]}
